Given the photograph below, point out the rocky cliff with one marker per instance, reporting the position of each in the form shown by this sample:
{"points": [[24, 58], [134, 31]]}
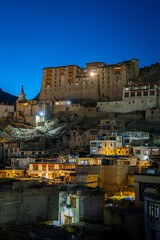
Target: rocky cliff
{"points": [[149, 74]]}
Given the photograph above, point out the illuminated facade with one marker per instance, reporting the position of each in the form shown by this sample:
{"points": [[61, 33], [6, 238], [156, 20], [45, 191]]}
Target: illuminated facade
{"points": [[11, 173], [80, 204], [52, 170], [105, 145], [97, 81]]}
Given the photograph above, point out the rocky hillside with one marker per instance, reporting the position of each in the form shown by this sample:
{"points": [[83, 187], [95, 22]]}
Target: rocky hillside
{"points": [[149, 74], [7, 98], [56, 128]]}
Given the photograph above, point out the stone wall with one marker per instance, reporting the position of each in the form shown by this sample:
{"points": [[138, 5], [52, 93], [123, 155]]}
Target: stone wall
{"points": [[128, 105], [153, 115], [28, 206], [5, 110], [80, 110], [113, 177]]}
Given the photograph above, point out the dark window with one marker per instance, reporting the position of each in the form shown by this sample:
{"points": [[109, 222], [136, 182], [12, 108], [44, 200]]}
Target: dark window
{"points": [[139, 94], [145, 93], [132, 94], [93, 144], [138, 151], [126, 94], [152, 93]]}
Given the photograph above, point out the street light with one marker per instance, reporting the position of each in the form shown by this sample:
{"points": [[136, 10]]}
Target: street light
{"points": [[41, 114]]}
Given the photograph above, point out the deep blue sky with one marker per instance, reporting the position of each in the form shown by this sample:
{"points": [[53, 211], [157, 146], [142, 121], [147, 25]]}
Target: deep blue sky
{"points": [[41, 33]]}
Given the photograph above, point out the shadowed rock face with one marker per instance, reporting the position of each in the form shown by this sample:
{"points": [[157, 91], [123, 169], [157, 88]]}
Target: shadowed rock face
{"points": [[149, 74], [7, 98]]}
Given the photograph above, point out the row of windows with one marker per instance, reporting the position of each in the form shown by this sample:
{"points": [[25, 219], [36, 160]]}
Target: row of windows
{"points": [[139, 94], [128, 102]]}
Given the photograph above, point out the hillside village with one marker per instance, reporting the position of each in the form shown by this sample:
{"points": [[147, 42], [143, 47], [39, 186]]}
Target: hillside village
{"points": [[93, 134]]}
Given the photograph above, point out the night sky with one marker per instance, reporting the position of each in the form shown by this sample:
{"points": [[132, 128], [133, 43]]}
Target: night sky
{"points": [[42, 33]]}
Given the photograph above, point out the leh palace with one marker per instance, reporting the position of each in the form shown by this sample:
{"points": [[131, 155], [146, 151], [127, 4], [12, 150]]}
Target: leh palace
{"points": [[94, 91]]}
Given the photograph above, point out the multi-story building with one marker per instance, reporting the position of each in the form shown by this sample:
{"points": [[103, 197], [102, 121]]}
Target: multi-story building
{"points": [[105, 145], [11, 149], [52, 170], [80, 203], [141, 152], [97, 81], [136, 97], [110, 125], [81, 137], [129, 136]]}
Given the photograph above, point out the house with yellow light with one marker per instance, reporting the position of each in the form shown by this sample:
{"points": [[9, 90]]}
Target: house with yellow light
{"points": [[109, 146], [11, 173], [53, 170]]}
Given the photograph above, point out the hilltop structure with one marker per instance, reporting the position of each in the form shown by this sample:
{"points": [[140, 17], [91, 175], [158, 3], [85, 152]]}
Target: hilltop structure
{"points": [[94, 91], [96, 82]]}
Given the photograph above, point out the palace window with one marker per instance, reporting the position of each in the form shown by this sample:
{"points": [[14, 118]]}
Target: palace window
{"points": [[126, 94], [152, 93], [145, 93]]}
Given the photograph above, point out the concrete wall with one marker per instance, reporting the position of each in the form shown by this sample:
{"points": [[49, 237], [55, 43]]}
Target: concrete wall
{"points": [[93, 208], [29, 206], [132, 223], [113, 177], [88, 170]]}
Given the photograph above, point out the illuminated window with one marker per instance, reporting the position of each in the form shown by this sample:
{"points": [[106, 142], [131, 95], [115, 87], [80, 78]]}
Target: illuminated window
{"points": [[35, 166], [43, 167], [73, 202], [99, 145], [153, 209]]}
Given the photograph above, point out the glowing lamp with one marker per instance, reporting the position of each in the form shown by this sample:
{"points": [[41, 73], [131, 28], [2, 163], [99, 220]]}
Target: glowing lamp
{"points": [[41, 114], [92, 74]]}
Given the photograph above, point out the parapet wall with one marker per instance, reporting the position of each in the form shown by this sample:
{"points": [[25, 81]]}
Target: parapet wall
{"points": [[128, 105]]}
